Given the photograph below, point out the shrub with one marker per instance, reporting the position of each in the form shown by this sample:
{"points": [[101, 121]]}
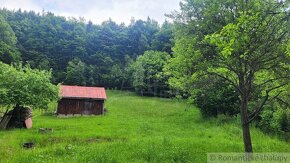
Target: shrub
{"points": [[217, 97], [275, 120]]}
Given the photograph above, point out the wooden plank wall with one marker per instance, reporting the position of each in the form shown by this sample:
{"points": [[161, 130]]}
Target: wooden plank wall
{"points": [[83, 107], [4, 121]]}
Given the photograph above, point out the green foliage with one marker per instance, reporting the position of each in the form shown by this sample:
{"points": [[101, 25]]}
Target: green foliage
{"points": [[116, 76], [8, 50], [141, 34], [247, 46], [275, 120], [75, 73], [254, 66], [147, 73], [196, 20], [212, 101], [25, 86], [49, 42], [163, 39], [6, 33], [181, 67]]}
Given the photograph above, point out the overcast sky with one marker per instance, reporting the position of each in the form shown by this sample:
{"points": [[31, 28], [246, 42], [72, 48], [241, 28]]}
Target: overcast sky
{"points": [[99, 10]]}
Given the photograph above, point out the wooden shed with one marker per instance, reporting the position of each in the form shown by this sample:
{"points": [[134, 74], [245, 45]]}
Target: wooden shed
{"points": [[79, 100]]}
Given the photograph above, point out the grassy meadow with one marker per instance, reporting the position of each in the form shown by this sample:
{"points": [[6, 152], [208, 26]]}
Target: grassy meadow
{"points": [[135, 129]]}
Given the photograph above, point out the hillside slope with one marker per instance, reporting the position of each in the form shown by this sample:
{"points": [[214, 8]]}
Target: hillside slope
{"points": [[135, 129]]}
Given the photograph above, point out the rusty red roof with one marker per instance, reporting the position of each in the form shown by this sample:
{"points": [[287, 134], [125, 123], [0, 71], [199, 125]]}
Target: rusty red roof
{"points": [[82, 92]]}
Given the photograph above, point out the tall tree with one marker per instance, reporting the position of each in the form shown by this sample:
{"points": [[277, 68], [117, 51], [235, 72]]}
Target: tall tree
{"points": [[76, 72], [163, 39], [147, 73], [196, 19], [249, 51], [141, 34], [8, 40], [251, 55]]}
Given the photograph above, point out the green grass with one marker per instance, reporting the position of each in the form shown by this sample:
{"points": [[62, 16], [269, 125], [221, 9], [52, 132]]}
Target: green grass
{"points": [[136, 129]]}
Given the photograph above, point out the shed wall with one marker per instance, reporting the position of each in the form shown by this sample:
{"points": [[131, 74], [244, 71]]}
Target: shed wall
{"points": [[80, 106]]}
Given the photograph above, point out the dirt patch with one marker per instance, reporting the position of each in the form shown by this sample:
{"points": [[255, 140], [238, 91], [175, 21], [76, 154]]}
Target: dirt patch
{"points": [[28, 145], [104, 139], [45, 130]]}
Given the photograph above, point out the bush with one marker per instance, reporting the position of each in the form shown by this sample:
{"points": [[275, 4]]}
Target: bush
{"points": [[275, 120], [217, 97]]}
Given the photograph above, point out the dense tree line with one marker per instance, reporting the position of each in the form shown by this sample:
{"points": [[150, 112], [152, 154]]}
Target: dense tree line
{"points": [[79, 53], [8, 49]]}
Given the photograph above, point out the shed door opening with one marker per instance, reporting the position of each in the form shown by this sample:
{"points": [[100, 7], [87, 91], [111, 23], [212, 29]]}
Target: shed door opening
{"points": [[88, 108]]}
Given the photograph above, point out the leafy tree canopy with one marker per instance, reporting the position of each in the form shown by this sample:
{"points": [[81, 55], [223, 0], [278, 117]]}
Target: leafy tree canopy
{"points": [[26, 87], [147, 72], [8, 50]]}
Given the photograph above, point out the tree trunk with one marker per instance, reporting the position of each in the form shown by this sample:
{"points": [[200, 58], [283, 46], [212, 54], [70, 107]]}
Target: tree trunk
{"points": [[245, 125]]}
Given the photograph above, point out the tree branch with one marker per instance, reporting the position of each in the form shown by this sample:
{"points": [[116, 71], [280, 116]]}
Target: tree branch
{"points": [[279, 86], [225, 78], [285, 103], [257, 111], [274, 79]]}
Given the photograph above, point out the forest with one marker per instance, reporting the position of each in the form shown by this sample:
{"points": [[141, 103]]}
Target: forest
{"points": [[80, 52], [227, 57]]}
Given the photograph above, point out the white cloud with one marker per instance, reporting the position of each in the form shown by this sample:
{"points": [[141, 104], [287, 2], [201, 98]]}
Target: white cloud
{"points": [[99, 10], [23, 4]]}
